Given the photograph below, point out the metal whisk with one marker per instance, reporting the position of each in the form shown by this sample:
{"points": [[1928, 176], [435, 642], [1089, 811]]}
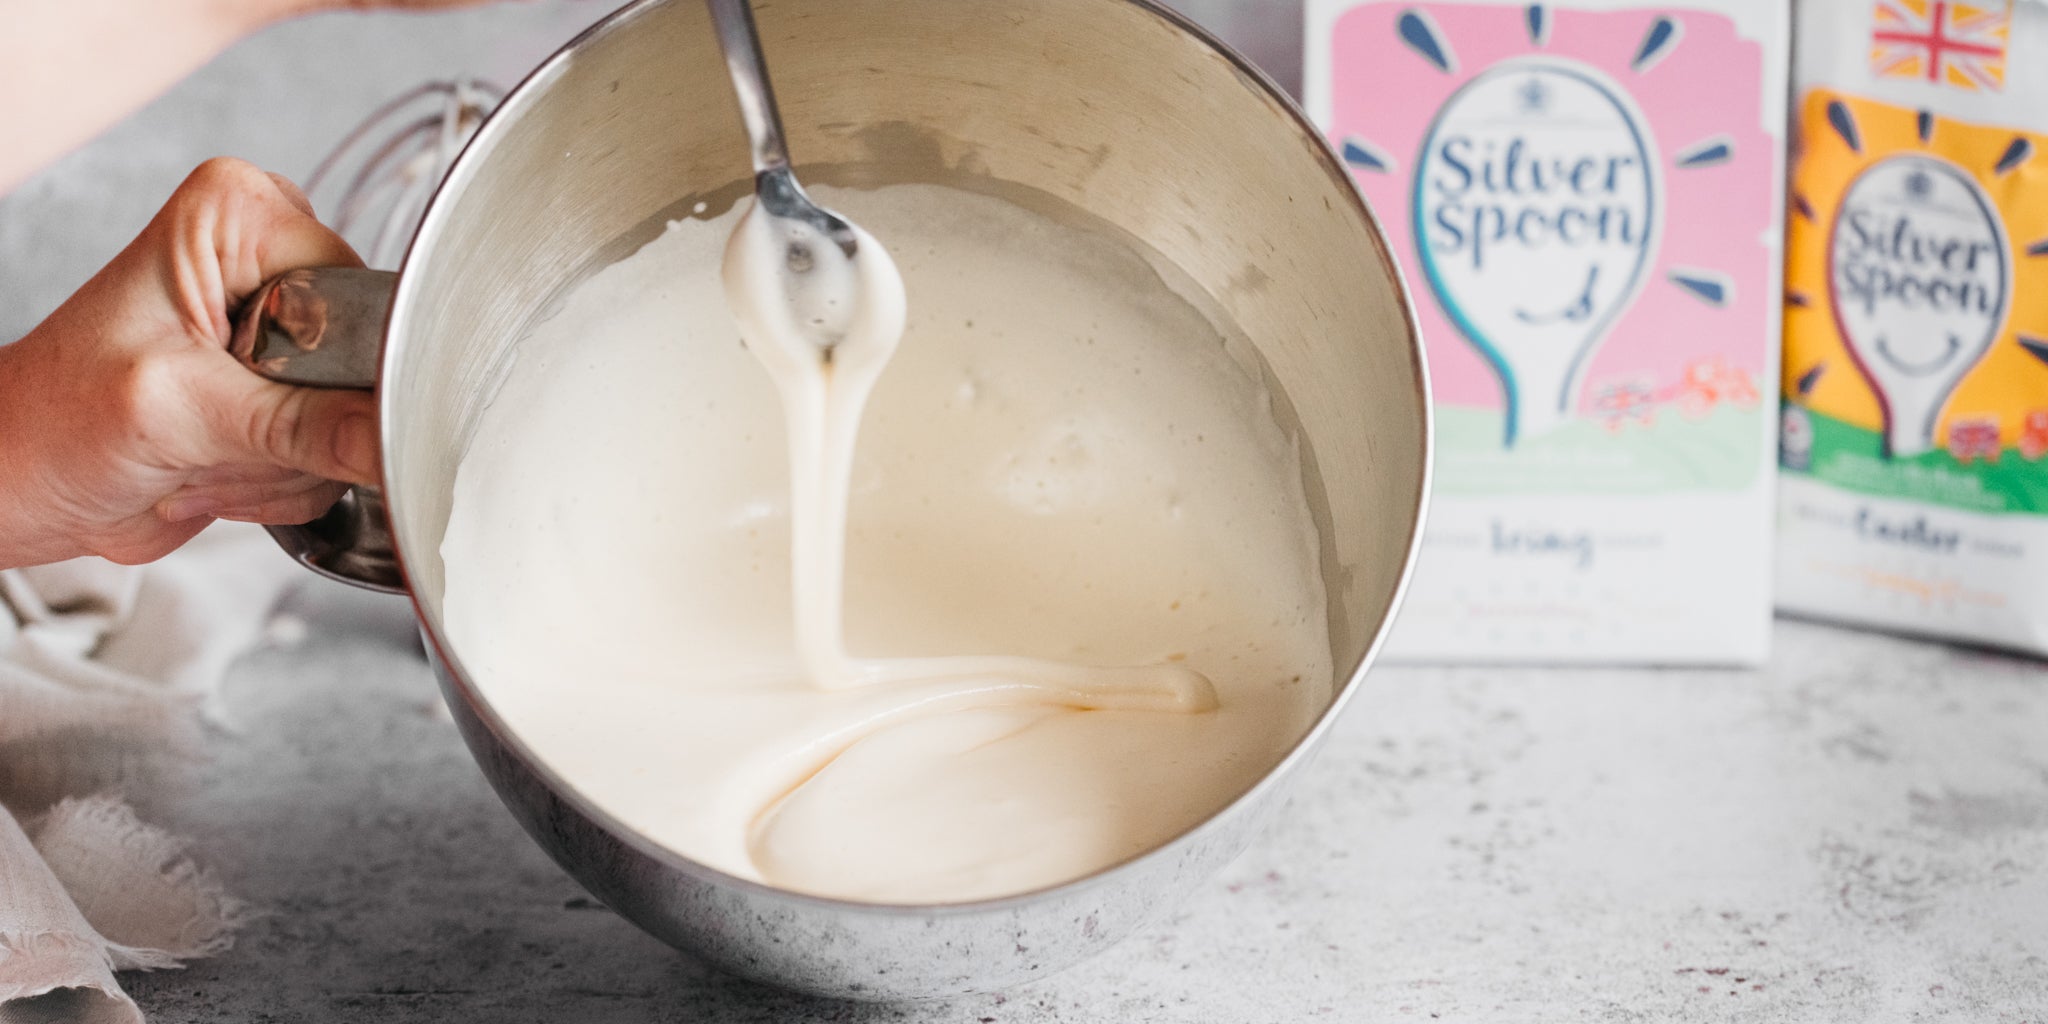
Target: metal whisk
{"points": [[374, 186]]}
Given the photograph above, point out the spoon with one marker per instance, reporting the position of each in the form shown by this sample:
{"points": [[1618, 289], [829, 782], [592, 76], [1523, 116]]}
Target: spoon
{"points": [[820, 246]]}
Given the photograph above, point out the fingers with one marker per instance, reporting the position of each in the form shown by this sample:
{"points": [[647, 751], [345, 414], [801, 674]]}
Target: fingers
{"points": [[255, 226], [326, 433], [227, 229], [292, 192], [270, 228], [144, 538], [289, 509], [234, 473], [220, 498], [262, 498], [183, 515]]}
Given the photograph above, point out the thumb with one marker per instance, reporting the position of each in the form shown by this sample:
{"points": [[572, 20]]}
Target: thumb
{"points": [[227, 229], [328, 433], [242, 227]]}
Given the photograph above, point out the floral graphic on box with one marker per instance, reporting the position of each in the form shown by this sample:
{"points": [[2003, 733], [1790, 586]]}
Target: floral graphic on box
{"points": [[1583, 202]]}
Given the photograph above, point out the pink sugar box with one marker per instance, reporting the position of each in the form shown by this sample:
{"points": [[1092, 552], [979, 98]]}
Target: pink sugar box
{"points": [[1586, 200]]}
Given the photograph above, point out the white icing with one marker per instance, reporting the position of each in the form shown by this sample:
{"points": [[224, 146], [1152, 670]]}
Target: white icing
{"points": [[1071, 544]]}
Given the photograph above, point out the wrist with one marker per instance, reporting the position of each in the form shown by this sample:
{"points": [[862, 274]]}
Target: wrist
{"points": [[22, 536]]}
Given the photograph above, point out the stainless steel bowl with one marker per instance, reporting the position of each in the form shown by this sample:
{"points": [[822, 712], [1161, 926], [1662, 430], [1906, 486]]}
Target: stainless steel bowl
{"points": [[1117, 107]]}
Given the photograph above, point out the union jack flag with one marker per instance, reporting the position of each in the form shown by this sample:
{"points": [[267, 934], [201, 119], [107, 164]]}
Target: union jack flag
{"points": [[1943, 42]]}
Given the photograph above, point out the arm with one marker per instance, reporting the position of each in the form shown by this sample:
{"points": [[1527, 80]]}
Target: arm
{"points": [[71, 68]]}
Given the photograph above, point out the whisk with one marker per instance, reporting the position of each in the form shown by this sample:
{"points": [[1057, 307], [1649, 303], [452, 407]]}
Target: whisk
{"points": [[374, 186]]}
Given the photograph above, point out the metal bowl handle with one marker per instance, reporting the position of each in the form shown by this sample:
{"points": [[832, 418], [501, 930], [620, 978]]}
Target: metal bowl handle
{"points": [[324, 328]]}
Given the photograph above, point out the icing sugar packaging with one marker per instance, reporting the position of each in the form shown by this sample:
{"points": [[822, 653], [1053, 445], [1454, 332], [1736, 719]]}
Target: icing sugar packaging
{"points": [[1915, 420], [1586, 199]]}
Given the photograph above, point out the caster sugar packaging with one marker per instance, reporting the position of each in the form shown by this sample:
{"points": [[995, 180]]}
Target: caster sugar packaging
{"points": [[1914, 448]]}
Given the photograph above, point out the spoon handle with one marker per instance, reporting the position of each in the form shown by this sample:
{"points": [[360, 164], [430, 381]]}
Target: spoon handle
{"points": [[734, 20]]}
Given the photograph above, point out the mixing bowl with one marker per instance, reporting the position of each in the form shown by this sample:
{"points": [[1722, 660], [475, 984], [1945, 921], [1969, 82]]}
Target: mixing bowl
{"points": [[1119, 108]]}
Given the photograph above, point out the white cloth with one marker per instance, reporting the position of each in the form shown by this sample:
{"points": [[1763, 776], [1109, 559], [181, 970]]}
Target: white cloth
{"points": [[104, 671]]}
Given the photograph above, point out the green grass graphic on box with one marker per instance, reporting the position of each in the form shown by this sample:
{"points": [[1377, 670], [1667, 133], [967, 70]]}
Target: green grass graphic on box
{"points": [[1852, 458], [1721, 451]]}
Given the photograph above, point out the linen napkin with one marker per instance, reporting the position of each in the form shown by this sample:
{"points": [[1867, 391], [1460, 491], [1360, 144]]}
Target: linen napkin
{"points": [[105, 672]]}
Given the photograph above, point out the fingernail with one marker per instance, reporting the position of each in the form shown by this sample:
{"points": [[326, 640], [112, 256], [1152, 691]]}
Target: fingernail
{"points": [[187, 506], [355, 447]]}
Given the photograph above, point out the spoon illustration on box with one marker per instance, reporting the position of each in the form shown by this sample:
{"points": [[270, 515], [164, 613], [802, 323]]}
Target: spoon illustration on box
{"points": [[1539, 201], [1920, 277], [1536, 200]]}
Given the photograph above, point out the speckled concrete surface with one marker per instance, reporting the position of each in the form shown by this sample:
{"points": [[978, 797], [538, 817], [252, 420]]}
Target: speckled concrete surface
{"points": [[1859, 833]]}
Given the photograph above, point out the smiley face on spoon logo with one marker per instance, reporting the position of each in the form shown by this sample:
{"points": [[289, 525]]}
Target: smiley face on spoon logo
{"points": [[1920, 277], [1537, 208]]}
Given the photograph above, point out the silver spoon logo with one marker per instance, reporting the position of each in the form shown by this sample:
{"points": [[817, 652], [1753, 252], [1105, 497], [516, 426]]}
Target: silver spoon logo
{"points": [[1536, 209], [1921, 280]]}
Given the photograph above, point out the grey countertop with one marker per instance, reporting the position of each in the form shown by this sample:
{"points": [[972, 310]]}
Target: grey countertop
{"points": [[1858, 833]]}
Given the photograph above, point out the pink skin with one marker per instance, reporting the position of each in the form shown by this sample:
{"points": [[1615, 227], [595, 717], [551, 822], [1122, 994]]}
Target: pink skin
{"points": [[125, 428], [69, 69]]}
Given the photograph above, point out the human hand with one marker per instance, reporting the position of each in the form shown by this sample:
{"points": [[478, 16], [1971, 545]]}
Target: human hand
{"points": [[125, 426]]}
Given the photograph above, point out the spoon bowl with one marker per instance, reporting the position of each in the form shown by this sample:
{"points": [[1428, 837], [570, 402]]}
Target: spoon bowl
{"points": [[813, 275]]}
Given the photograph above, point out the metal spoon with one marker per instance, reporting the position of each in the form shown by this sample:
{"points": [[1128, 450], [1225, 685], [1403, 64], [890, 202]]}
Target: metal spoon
{"points": [[776, 191]]}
